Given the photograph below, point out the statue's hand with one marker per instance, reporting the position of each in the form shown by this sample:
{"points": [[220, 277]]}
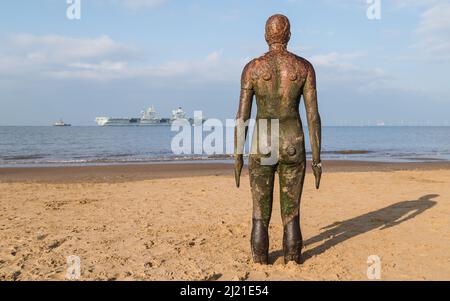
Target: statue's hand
{"points": [[238, 164], [317, 170]]}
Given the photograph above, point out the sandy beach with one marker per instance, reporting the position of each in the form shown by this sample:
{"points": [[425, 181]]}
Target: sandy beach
{"points": [[189, 222]]}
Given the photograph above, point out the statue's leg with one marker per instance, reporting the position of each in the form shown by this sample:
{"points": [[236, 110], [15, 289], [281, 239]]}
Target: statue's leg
{"points": [[262, 181], [292, 176]]}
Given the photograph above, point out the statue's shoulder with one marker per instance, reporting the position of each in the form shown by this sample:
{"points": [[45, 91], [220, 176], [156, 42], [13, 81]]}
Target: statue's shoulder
{"points": [[303, 63], [256, 69], [256, 63]]}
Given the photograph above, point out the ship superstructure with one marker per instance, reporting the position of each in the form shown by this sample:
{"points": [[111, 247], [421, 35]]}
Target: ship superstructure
{"points": [[149, 117], [178, 115]]}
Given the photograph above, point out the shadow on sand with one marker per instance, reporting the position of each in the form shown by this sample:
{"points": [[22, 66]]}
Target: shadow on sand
{"points": [[387, 217]]}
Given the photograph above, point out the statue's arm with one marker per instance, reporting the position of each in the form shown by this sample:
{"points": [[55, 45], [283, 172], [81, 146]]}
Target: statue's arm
{"points": [[242, 117], [312, 114], [314, 122]]}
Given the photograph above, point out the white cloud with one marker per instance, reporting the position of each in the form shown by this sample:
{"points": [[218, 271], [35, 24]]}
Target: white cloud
{"points": [[412, 3], [26, 56], [30, 56], [101, 58], [434, 32], [335, 59], [335, 67], [61, 49]]}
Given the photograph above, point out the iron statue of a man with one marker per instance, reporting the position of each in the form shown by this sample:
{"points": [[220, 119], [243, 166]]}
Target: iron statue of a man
{"points": [[278, 79]]}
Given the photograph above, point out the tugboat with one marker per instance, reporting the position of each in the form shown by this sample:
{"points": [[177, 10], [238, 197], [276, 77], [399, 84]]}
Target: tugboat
{"points": [[61, 123]]}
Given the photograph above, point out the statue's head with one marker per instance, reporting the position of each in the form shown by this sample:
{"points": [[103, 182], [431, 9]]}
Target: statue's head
{"points": [[278, 30]]}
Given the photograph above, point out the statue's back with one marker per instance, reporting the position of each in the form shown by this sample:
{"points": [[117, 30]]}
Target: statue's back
{"points": [[278, 78]]}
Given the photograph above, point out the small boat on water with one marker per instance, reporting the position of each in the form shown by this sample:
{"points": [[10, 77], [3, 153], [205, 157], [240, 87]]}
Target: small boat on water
{"points": [[61, 123]]}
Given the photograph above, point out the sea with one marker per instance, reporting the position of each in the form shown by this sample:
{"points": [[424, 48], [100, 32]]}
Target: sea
{"points": [[23, 146]]}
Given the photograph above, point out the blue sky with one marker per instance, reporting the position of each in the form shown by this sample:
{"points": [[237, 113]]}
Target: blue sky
{"points": [[125, 55]]}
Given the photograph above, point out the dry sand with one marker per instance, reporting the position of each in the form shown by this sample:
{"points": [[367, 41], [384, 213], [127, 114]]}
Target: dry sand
{"points": [[188, 222]]}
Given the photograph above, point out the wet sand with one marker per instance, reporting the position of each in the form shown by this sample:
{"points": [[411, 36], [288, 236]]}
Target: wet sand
{"points": [[139, 172], [189, 222]]}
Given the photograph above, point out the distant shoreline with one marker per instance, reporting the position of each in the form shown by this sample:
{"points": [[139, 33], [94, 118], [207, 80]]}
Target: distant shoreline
{"points": [[139, 172]]}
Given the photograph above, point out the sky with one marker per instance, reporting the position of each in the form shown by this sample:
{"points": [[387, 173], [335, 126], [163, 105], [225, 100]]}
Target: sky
{"points": [[122, 56]]}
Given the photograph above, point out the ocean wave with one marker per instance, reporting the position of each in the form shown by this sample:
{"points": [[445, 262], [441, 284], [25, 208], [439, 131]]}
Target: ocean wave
{"points": [[23, 157], [348, 152], [125, 158]]}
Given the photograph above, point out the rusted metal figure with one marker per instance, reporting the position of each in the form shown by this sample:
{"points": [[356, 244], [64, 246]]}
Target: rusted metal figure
{"points": [[278, 79]]}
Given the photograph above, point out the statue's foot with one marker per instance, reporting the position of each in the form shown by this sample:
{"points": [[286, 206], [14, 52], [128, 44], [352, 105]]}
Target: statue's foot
{"points": [[292, 242], [261, 259], [293, 258], [260, 242]]}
